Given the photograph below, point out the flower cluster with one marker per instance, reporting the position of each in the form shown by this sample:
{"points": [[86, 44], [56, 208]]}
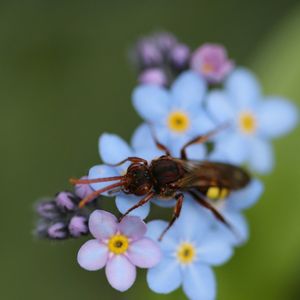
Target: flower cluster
{"points": [[206, 126]]}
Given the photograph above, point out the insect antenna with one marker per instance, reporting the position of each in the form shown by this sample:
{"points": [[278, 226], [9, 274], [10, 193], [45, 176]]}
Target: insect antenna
{"points": [[97, 193]]}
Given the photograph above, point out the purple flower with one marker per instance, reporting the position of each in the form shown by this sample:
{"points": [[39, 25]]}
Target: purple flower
{"points": [[78, 226], [121, 247], [153, 76], [65, 201], [47, 209], [211, 61], [83, 190]]}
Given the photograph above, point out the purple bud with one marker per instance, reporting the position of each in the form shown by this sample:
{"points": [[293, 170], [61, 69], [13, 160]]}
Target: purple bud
{"points": [[180, 56], [83, 190], [57, 231], [65, 201], [153, 76], [149, 54], [165, 41], [47, 209], [78, 226]]}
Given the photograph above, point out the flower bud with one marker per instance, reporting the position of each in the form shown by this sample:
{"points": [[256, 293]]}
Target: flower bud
{"points": [[153, 76], [83, 190], [78, 226], [65, 201], [47, 209], [57, 231], [180, 56]]}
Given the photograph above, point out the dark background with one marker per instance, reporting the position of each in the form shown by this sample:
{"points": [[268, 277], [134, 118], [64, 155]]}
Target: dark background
{"points": [[65, 79]]}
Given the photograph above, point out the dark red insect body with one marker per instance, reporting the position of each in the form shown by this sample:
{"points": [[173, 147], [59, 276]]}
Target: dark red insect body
{"points": [[168, 178]]}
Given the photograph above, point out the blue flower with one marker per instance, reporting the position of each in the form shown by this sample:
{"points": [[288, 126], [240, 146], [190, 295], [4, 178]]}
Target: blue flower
{"points": [[255, 120], [112, 150], [189, 249], [176, 115], [232, 209]]}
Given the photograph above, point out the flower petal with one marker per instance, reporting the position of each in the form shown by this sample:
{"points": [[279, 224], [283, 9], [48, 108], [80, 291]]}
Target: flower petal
{"points": [[243, 88], [214, 249], [238, 223], [188, 91], [124, 202], [201, 124], [246, 197], [277, 117], [151, 102], [120, 273], [220, 107], [199, 282], [102, 224], [234, 148], [196, 151], [193, 221], [144, 253], [92, 255], [133, 227], [169, 242], [261, 158], [102, 171], [165, 277], [113, 149]]}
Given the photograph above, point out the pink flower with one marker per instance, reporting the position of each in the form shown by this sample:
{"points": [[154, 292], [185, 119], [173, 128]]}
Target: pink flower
{"points": [[211, 61], [118, 246]]}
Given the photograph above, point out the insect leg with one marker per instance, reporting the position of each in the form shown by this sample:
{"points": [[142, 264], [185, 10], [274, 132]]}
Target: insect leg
{"points": [[202, 201], [132, 159], [159, 145], [176, 213], [201, 139], [140, 203]]}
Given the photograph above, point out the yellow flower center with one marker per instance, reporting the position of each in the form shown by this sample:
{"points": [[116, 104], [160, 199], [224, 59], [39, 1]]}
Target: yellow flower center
{"points": [[118, 244], [247, 122], [207, 68], [215, 193], [186, 253], [178, 121]]}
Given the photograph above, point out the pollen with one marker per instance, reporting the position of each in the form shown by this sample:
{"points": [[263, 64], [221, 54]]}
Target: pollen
{"points": [[247, 122], [215, 193], [118, 244], [186, 253], [178, 121]]}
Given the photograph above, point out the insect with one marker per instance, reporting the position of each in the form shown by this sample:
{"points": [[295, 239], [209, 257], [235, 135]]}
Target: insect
{"points": [[169, 178]]}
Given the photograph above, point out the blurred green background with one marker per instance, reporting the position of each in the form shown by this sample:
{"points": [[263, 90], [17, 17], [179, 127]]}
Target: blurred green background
{"points": [[65, 79]]}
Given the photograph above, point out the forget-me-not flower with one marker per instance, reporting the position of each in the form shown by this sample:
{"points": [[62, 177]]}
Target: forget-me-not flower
{"points": [[176, 115], [255, 120], [189, 249]]}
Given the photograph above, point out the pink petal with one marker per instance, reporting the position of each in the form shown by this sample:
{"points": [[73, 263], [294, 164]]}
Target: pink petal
{"points": [[102, 224], [120, 273], [133, 227], [92, 255], [144, 253]]}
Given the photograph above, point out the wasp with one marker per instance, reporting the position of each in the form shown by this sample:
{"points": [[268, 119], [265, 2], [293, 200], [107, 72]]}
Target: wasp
{"points": [[169, 178]]}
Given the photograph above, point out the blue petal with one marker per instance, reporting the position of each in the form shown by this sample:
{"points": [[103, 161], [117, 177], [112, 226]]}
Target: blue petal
{"points": [[193, 221], [143, 143], [246, 197], [201, 124], [243, 88], [165, 277], [197, 152], [188, 91], [239, 224], [220, 107], [164, 203], [233, 148], [261, 158], [169, 242], [124, 202], [102, 171], [199, 282], [113, 149], [151, 102], [214, 249], [277, 117]]}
